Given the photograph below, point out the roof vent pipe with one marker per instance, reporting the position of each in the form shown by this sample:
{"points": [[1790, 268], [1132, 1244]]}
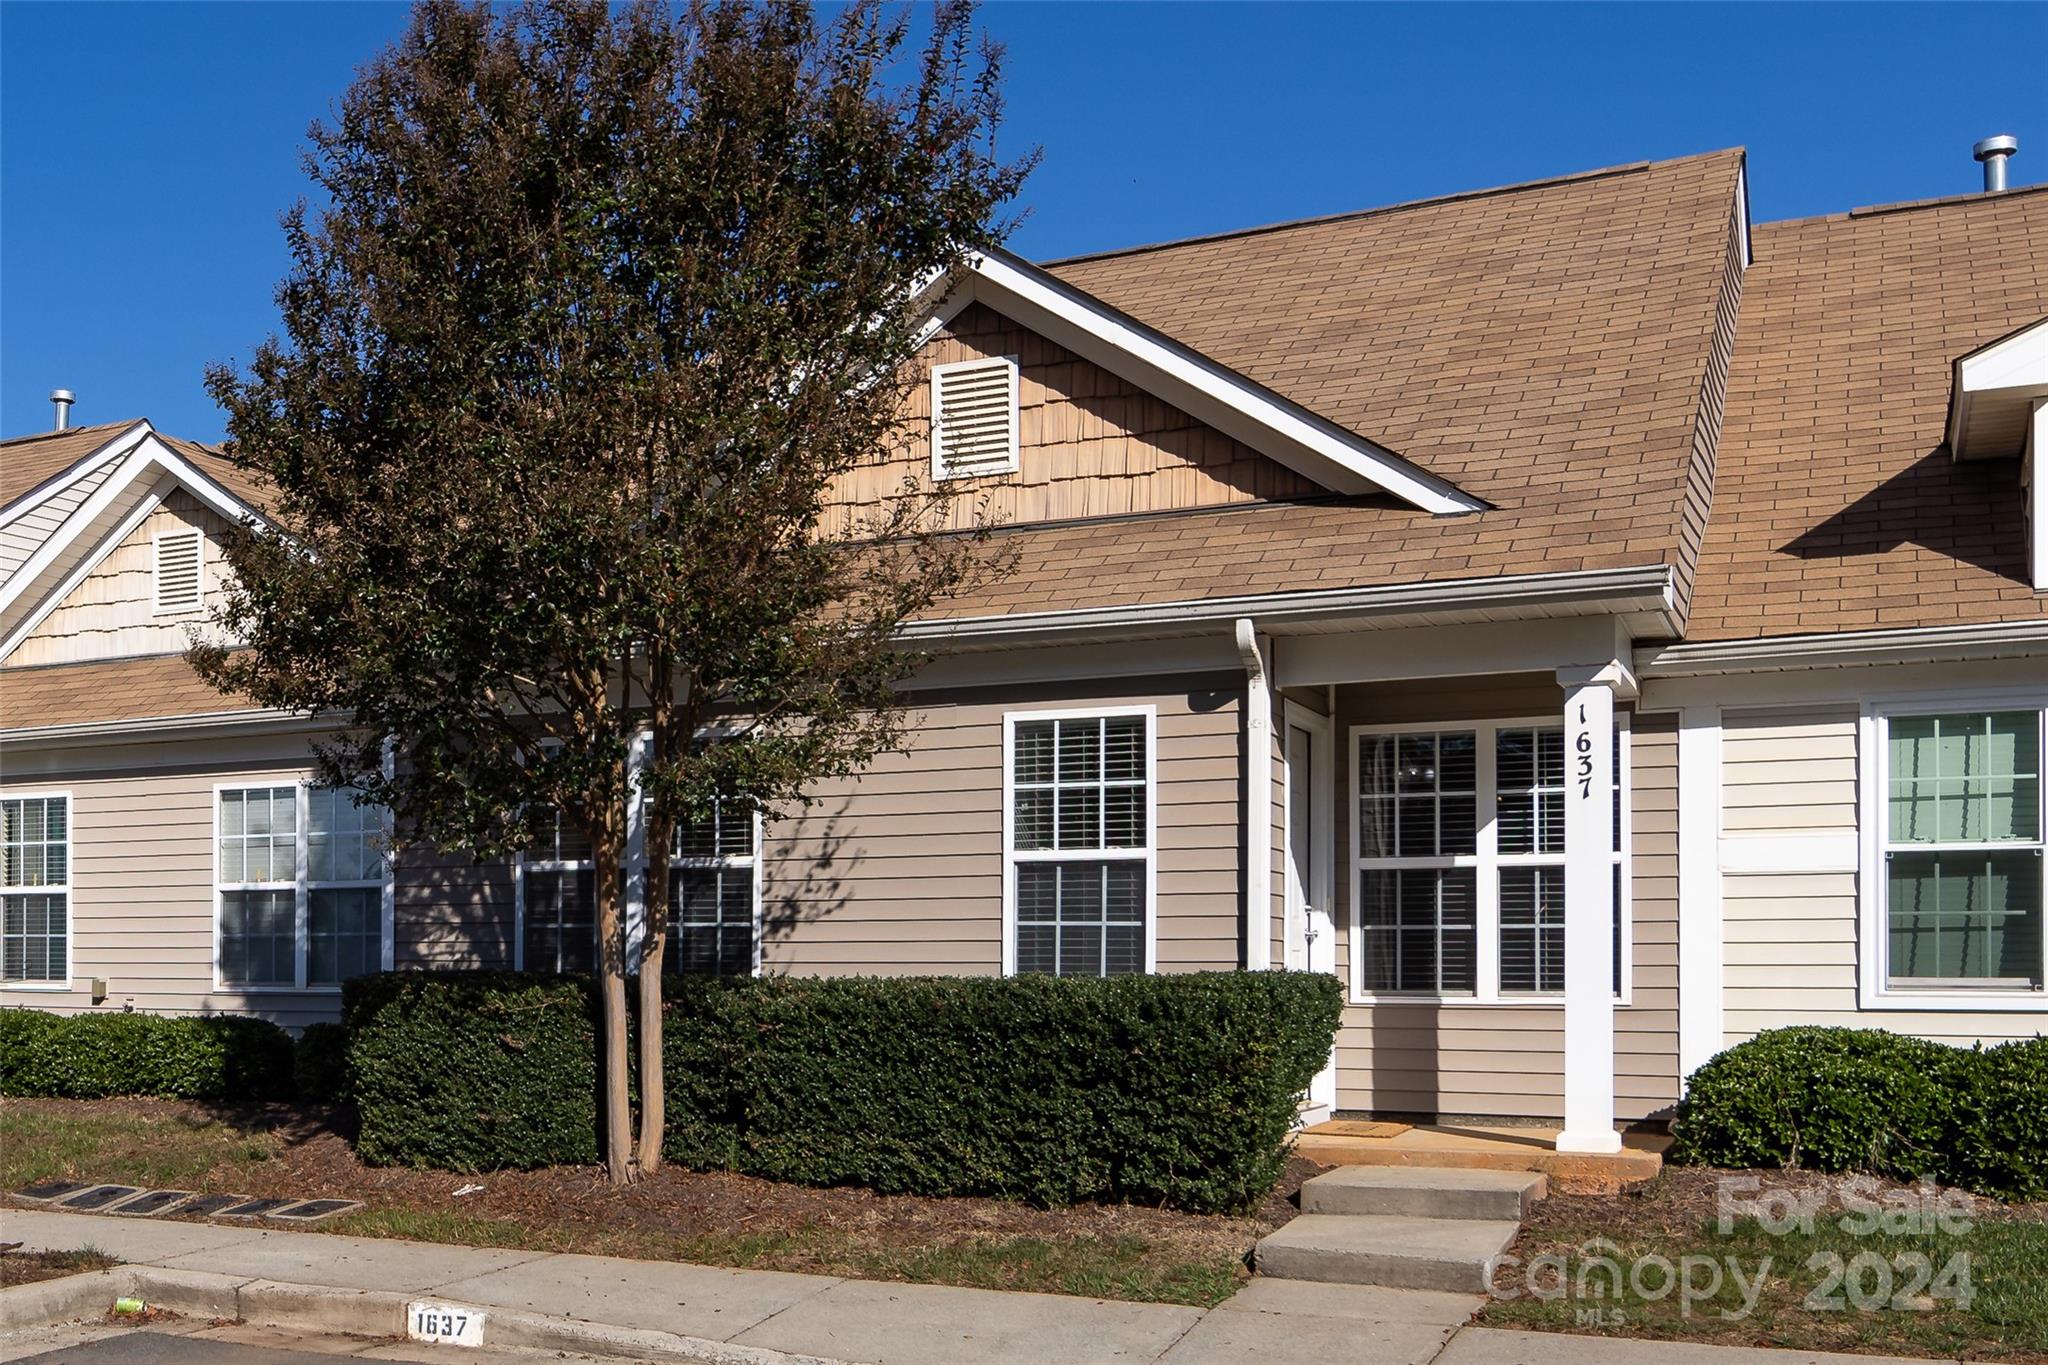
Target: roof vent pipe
{"points": [[62, 399], [1994, 152]]}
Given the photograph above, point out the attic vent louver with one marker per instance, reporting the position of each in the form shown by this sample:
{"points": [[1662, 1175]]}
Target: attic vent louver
{"points": [[177, 570], [974, 418]]}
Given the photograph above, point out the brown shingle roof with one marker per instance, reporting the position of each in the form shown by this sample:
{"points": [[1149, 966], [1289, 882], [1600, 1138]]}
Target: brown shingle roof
{"points": [[1836, 504], [148, 687], [26, 462], [1544, 347]]}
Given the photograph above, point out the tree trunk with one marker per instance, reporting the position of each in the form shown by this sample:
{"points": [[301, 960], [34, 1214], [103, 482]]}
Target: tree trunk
{"points": [[608, 850], [654, 943]]}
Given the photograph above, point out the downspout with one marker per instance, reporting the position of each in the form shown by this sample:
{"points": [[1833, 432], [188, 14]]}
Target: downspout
{"points": [[1258, 801]]}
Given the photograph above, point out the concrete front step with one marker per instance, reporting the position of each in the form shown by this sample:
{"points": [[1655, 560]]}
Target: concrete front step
{"points": [[1394, 1250], [1423, 1192]]}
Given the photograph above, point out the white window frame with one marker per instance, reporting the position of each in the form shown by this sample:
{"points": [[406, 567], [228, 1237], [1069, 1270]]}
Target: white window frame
{"points": [[680, 863], [524, 862], [1486, 862], [70, 865], [156, 572], [1012, 855], [1873, 738], [941, 472], [301, 886]]}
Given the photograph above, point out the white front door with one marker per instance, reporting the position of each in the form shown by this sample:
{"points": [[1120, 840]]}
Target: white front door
{"points": [[1311, 942]]}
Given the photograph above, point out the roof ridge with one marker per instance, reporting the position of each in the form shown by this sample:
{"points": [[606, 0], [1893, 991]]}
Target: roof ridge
{"points": [[1909, 205], [70, 431], [1351, 215]]}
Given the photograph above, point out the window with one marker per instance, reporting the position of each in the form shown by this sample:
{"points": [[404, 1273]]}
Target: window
{"points": [[178, 586], [1460, 861], [1961, 838], [712, 893], [558, 901], [1080, 835], [303, 887], [35, 890], [974, 418]]}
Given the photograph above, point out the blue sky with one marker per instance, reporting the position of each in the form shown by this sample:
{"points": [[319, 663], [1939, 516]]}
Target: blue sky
{"points": [[148, 148]]}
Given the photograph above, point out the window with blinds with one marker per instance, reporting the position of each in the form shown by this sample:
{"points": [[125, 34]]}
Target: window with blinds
{"points": [[974, 418], [179, 556], [1081, 843]]}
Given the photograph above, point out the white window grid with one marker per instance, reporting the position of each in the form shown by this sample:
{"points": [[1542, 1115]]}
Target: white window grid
{"points": [[723, 848], [563, 853], [274, 862], [1877, 988], [1486, 862], [26, 876], [1141, 853]]}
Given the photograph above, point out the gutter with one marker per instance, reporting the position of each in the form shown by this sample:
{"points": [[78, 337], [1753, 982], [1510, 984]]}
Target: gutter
{"points": [[1258, 797], [1923, 644], [264, 721], [1590, 591]]}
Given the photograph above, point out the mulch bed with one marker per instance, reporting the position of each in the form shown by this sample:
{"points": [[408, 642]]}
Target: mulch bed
{"points": [[315, 1161], [28, 1267]]}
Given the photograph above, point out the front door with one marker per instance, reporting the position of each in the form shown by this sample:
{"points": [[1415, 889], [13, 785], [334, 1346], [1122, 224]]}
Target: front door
{"points": [[1311, 943]]}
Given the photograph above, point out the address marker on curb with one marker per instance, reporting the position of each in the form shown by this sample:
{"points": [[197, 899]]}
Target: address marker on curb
{"points": [[445, 1324]]}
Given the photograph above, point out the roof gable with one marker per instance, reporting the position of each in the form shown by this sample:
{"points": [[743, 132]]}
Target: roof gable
{"points": [[1334, 457], [146, 469]]}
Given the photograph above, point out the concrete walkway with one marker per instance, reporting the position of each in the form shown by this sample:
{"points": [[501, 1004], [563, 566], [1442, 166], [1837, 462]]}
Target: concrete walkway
{"points": [[654, 1309]]}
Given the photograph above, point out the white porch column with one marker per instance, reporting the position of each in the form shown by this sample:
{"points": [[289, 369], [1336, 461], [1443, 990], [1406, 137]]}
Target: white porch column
{"points": [[1258, 800], [1589, 907]]}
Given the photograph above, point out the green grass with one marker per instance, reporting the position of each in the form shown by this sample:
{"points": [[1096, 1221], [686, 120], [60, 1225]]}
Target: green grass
{"points": [[1994, 1309], [1132, 1268], [158, 1151]]}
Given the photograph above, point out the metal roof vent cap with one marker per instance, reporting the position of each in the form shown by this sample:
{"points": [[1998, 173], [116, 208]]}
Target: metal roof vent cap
{"points": [[62, 399], [1994, 152]]}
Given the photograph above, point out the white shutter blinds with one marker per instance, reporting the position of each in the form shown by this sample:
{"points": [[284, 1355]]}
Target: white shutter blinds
{"points": [[177, 570], [974, 418]]}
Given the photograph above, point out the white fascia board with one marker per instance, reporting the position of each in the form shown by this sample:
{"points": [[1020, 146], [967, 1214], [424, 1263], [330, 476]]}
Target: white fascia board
{"points": [[2010, 371], [113, 448], [149, 456], [1591, 591], [199, 725], [1998, 640], [1339, 460]]}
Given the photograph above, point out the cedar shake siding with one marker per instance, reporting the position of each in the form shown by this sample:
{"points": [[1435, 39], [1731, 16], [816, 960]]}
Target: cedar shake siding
{"points": [[112, 613], [1089, 444]]}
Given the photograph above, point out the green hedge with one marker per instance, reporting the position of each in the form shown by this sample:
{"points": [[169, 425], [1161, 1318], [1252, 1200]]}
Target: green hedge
{"points": [[91, 1056], [320, 1064], [1839, 1099], [1173, 1089]]}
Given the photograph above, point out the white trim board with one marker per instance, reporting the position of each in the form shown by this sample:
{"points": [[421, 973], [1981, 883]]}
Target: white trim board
{"points": [[1318, 449]]}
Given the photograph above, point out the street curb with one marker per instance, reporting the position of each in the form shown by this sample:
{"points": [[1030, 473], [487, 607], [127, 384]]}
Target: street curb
{"points": [[329, 1308]]}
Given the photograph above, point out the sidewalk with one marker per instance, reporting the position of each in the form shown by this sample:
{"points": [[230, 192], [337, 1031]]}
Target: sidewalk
{"points": [[660, 1310]]}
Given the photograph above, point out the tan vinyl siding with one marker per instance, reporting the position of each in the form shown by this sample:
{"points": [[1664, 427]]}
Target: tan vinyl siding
{"points": [[900, 870], [1089, 444], [1425, 1058], [1789, 953], [111, 613], [142, 876], [449, 910]]}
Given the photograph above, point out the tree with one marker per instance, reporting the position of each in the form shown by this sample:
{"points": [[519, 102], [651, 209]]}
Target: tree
{"points": [[600, 305]]}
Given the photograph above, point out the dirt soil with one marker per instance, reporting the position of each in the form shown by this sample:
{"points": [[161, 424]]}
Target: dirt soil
{"points": [[314, 1160]]}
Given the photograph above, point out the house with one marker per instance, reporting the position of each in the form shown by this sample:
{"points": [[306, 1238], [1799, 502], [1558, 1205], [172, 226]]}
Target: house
{"points": [[1594, 627]]}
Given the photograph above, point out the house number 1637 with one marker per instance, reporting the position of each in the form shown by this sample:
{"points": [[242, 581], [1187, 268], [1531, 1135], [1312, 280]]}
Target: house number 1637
{"points": [[1584, 745]]}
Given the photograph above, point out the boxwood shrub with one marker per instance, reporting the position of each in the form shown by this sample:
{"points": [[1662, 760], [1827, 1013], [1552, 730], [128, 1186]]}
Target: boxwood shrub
{"points": [[320, 1064], [92, 1056], [1841, 1099], [1175, 1090]]}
